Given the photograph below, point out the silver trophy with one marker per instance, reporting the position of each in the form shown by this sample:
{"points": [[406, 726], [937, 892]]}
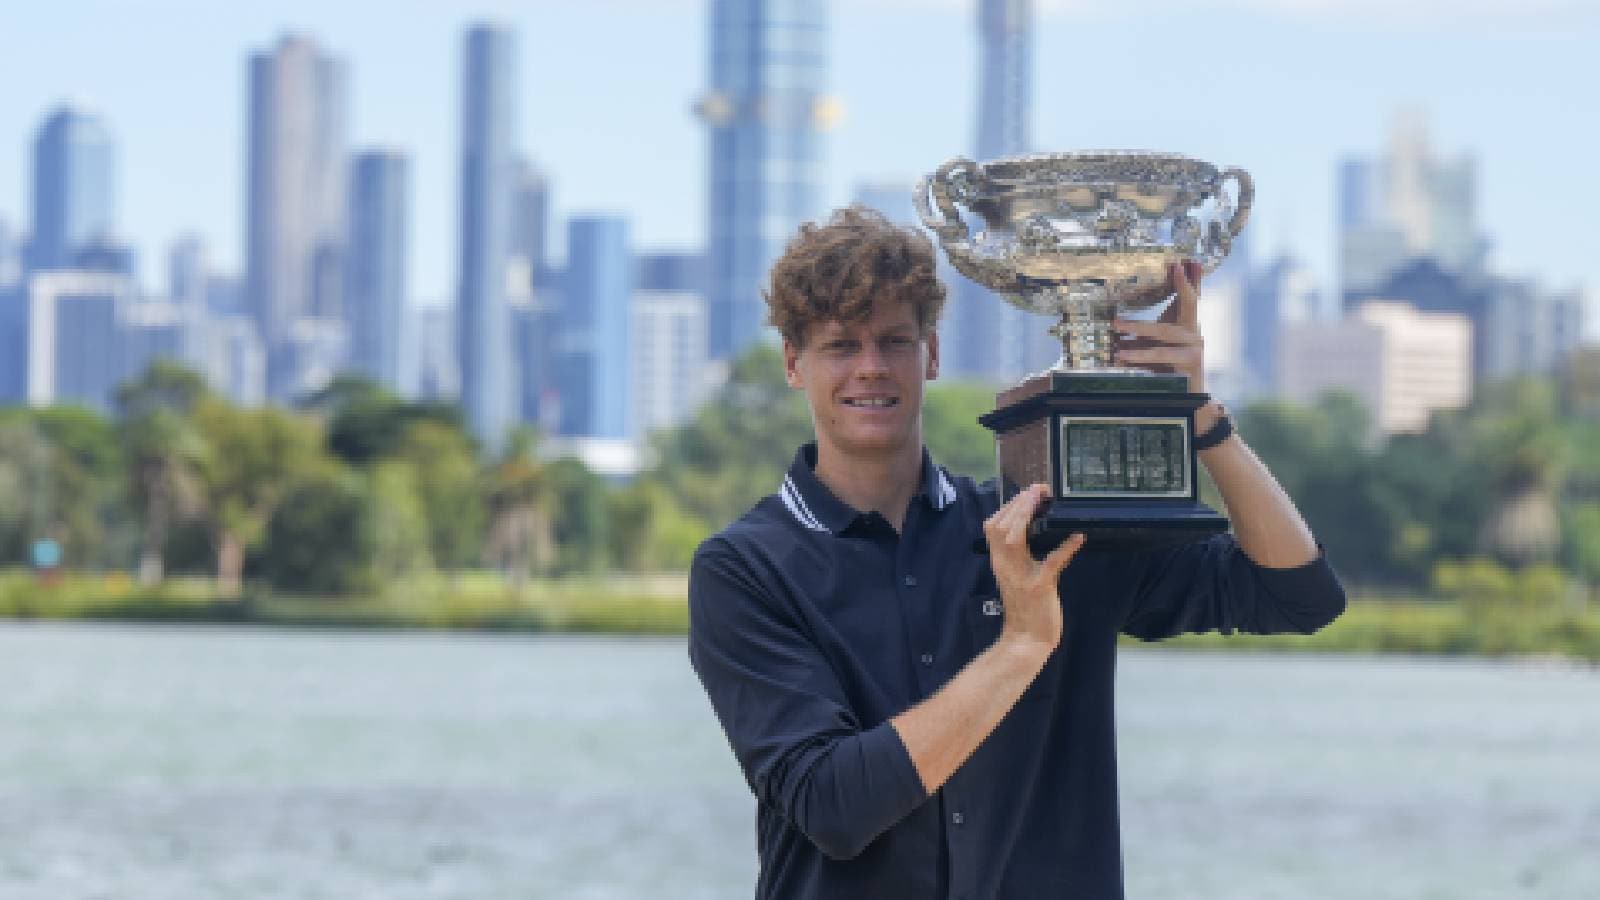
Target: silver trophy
{"points": [[1084, 238]]}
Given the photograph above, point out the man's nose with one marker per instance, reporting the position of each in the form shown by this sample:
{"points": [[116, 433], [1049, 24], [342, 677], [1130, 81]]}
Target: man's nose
{"points": [[871, 360]]}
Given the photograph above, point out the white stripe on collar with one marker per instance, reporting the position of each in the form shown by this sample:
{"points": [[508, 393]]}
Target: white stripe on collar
{"points": [[797, 506], [947, 492]]}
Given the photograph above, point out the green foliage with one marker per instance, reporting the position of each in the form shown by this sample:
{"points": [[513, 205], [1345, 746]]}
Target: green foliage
{"points": [[738, 446], [255, 456], [950, 428], [649, 531], [577, 499], [345, 507], [367, 422], [447, 485], [67, 473], [320, 538]]}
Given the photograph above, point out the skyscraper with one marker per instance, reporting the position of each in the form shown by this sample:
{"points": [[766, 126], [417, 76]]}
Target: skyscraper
{"points": [[1403, 364], [766, 111], [595, 365], [73, 186], [375, 292], [483, 332], [669, 358], [13, 320], [75, 339], [535, 312], [294, 220], [985, 337], [188, 283], [1407, 205]]}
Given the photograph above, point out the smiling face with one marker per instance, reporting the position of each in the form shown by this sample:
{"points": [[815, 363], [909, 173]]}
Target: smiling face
{"points": [[864, 382]]}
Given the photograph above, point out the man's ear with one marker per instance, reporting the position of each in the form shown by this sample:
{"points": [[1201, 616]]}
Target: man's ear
{"points": [[933, 355], [791, 365]]}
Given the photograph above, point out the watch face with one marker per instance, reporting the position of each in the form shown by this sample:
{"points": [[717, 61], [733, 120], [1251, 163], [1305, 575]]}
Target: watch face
{"points": [[1125, 457]]}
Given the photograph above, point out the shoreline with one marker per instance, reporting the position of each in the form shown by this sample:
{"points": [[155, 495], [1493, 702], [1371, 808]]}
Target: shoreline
{"points": [[655, 606]]}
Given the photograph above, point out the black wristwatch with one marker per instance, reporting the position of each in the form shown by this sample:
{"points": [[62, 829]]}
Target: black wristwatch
{"points": [[1219, 432]]}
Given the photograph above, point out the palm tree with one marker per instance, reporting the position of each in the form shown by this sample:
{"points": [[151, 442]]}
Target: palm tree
{"points": [[165, 454], [1525, 462], [519, 531]]}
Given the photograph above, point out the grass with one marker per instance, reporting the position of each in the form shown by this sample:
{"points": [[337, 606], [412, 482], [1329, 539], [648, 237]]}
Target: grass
{"points": [[1434, 627], [654, 604], [470, 601]]}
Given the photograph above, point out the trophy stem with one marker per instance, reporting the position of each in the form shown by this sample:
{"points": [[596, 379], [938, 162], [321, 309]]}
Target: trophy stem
{"points": [[1085, 332]]}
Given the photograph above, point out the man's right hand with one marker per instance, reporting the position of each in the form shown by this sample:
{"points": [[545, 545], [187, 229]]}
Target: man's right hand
{"points": [[1028, 587], [942, 731]]}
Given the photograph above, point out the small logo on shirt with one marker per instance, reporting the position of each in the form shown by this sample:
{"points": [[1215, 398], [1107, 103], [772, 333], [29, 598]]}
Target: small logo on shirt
{"points": [[992, 607]]}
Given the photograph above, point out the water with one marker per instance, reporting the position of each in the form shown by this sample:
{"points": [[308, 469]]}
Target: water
{"points": [[180, 763]]}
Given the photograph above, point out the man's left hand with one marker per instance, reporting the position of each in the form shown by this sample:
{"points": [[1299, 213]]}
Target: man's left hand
{"points": [[1172, 343]]}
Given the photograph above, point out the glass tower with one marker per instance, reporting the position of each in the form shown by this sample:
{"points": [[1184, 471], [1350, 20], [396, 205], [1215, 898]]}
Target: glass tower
{"points": [[294, 220], [765, 111], [72, 186], [375, 293], [986, 337], [483, 332], [596, 365]]}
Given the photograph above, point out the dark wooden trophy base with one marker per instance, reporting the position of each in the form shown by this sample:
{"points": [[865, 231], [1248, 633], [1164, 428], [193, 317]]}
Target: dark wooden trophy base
{"points": [[1117, 450]]}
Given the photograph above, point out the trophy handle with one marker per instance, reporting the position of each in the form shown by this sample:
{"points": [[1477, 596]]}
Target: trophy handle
{"points": [[1247, 199], [942, 186], [948, 224], [1219, 237]]}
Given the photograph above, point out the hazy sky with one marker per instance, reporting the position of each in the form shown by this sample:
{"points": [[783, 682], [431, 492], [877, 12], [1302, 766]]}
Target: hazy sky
{"points": [[1283, 88]]}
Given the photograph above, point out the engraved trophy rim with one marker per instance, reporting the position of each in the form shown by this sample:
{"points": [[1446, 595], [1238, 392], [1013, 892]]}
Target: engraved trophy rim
{"points": [[1083, 235]]}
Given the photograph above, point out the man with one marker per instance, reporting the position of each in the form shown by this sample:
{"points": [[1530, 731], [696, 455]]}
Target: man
{"points": [[918, 718]]}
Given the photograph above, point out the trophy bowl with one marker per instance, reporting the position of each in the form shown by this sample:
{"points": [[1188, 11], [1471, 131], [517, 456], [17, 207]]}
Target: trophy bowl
{"points": [[1084, 236]]}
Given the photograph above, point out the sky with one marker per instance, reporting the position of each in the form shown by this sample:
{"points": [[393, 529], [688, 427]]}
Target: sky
{"points": [[1283, 88]]}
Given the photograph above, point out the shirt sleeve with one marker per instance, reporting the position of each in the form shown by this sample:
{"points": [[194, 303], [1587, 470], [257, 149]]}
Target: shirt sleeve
{"points": [[1212, 585], [802, 749]]}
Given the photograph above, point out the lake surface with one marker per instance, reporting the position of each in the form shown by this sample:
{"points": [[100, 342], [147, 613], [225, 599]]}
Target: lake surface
{"points": [[183, 763]]}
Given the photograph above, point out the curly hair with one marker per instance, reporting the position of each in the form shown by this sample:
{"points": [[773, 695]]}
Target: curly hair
{"points": [[837, 271]]}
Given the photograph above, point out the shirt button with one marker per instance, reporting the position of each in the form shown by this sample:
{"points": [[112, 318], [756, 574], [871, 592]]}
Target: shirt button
{"points": [[927, 659], [911, 581], [956, 818]]}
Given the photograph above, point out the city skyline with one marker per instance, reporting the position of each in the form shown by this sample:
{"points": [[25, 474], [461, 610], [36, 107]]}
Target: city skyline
{"points": [[1296, 113]]}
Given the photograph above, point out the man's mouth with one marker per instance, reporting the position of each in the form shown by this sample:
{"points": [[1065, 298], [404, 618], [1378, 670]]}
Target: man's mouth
{"points": [[872, 402]]}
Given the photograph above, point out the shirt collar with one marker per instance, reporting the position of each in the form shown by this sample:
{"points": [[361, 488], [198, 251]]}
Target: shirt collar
{"points": [[815, 507]]}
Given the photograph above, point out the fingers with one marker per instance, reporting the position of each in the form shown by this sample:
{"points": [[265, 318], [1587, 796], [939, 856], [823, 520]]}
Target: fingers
{"points": [[1165, 332], [1181, 358], [1184, 279], [1058, 558], [1027, 503], [1009, 523]]}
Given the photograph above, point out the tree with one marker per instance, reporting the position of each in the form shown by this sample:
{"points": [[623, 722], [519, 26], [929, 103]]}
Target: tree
{"points": [[26, 460], [366, 421], [735, 450], [1522, 459], [519, 528], [165, 454], [447, 484], [256, 457], [950, 428], [319, 539], [81, 501], [648, 531], [578, 510]]}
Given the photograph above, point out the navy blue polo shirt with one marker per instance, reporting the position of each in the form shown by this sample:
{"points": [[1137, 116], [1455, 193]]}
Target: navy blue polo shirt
{"points": [[812, 625]]}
